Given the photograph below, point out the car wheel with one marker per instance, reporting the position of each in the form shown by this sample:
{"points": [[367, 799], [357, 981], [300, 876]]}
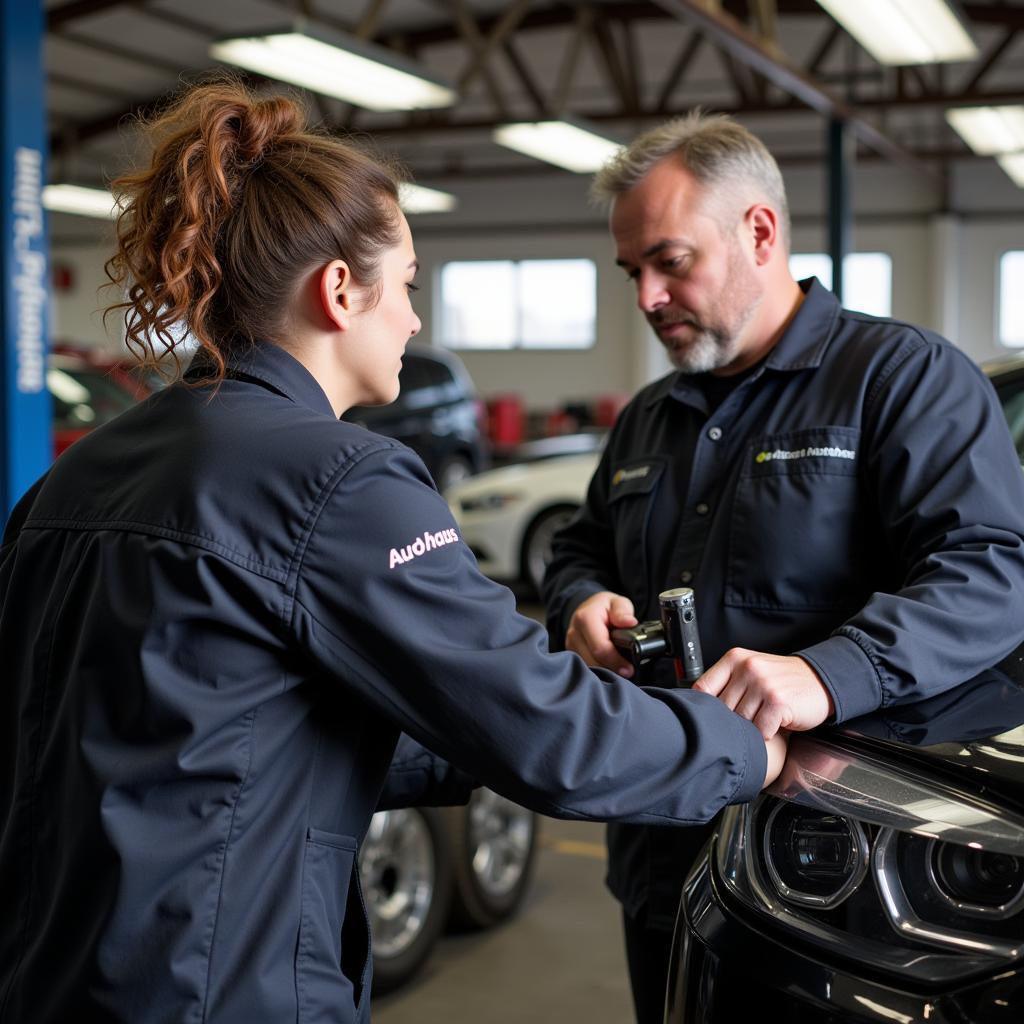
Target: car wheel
{"points": [[493, 845], [536, 551], [452, 470], [405, 869]]}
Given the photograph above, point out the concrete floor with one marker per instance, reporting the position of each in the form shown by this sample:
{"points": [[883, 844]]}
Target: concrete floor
{"points": [[560, 959]]}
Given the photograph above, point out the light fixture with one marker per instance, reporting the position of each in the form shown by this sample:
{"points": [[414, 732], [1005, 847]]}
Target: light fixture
{"points": [[339, 65], [989, 130], [87, 202], [417, 199], [901, 32], [1013, 164], [564, 143]]}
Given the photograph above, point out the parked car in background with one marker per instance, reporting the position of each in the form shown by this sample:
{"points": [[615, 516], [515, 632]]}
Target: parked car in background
{"points": [[583, 442], [437, 414], [880, 879], [508, 516], [427, 869]]}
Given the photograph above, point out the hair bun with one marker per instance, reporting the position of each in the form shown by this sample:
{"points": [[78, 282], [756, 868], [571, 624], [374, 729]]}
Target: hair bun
{"points": [[263, 123]]}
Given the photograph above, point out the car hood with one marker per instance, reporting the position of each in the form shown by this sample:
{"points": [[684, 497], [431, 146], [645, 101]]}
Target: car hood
{"points": [[561, 471], [974, 731]]}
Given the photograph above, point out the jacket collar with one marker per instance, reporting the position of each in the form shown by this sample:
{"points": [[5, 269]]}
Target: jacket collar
{"points": [[803, 344], [271, 366], [801, 347]]}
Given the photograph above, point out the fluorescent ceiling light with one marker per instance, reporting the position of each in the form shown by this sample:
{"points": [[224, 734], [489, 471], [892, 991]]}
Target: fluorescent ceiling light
{"points": [[1013, 164], [904, 31], [338, 65], [564, 143], [417, 199], [87, 202], [989, 130]]}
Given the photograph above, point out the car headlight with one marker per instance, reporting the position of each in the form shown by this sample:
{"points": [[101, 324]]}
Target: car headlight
{"points": [[814, 859], [492, 502], [873, 864], [977, 883]]}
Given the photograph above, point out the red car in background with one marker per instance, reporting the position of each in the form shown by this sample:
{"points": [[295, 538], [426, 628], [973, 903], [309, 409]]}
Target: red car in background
{"points": [[88, 389]]}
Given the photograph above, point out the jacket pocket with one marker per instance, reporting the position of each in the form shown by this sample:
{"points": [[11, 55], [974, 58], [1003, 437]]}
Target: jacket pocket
{"points": [[631, 493], [800, 523], [333, 930]]}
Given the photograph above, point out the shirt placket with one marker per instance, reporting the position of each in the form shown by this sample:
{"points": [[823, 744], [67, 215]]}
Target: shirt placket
{"points": [[713, 455]]}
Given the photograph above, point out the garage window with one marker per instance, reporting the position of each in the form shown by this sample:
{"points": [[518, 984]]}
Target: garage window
{"points": [[867, 278], [1011, 309], [505, 304]]}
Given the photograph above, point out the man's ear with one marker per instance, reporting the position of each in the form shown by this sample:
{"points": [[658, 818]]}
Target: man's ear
{"points": [[336, 293], [762, 225]]}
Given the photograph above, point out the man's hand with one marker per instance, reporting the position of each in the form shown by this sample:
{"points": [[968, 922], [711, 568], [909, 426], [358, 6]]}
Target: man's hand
{"points": [[589, 632], [772, 692]]}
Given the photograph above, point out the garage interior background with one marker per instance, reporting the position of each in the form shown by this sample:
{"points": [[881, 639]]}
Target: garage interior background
{"points": [[944, 215]]}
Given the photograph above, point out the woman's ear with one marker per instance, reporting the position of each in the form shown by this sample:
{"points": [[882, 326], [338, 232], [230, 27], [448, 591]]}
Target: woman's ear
{"points": [[335, 291]]}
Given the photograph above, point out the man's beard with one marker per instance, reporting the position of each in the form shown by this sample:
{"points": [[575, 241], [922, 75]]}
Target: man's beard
{"points": [[706, 349]]}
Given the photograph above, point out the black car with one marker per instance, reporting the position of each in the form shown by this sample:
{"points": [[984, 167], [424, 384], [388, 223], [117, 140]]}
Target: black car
{"points": [[881, 878], [437, 414]]}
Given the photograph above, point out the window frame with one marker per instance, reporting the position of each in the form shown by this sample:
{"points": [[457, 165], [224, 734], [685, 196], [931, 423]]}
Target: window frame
{"points": [[517, 344]]}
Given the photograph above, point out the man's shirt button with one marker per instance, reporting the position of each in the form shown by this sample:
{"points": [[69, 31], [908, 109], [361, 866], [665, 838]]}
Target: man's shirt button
{"points": [[686, 576], [702, 509], [715, 433]]}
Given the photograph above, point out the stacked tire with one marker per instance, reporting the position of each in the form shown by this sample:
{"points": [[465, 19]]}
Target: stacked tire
{"points": [[426, 869]]}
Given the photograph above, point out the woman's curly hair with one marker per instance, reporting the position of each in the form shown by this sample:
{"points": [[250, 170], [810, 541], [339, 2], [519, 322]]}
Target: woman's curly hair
{"points": [[238, 204]]}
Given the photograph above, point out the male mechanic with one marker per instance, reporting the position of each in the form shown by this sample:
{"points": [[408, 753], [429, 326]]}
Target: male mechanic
{"points": [[840, 490]]}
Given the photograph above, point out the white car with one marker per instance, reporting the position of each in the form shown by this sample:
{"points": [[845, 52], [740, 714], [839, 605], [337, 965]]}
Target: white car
{"points": [[508, 516]]}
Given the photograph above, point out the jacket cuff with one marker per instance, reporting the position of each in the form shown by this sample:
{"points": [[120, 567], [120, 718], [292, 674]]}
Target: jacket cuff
{"points": [[752, 781], [848, 676]]}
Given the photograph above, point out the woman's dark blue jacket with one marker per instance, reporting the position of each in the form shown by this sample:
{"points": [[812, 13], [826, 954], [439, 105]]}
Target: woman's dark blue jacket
{"points": [[217, 615]]}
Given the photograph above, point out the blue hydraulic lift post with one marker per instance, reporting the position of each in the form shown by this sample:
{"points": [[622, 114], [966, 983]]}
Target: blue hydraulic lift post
{"points": [[26, 445], [841, 154]]}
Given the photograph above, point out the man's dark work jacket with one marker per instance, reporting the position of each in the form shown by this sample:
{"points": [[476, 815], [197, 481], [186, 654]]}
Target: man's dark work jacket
{"points": [[217, 613], [856, 500]]}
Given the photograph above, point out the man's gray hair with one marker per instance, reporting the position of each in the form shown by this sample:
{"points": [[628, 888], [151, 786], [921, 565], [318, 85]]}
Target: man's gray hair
{"points": [[720, 153]]}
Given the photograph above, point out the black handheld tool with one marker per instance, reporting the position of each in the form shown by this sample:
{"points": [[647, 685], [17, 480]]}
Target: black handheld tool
{"points": [[674, 636]]}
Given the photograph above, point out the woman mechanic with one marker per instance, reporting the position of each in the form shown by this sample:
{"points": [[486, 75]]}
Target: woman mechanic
{"points": [[219, 612]]}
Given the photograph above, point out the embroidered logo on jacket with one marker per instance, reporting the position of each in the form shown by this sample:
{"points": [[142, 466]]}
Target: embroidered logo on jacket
{"points": [[421, 545], [622, 475], [805, 453]]}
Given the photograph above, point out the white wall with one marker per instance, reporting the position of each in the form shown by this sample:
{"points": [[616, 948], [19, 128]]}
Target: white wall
{"points": [[944, 266], [76, 316]]}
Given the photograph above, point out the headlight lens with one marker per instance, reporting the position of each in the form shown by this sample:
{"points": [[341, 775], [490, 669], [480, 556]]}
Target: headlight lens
{"points": [[977, 882], [814, 859], [875, 879], [488, 502]]}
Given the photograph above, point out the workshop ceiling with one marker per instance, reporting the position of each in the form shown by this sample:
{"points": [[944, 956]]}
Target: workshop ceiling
{"points": [[782, 66]]}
